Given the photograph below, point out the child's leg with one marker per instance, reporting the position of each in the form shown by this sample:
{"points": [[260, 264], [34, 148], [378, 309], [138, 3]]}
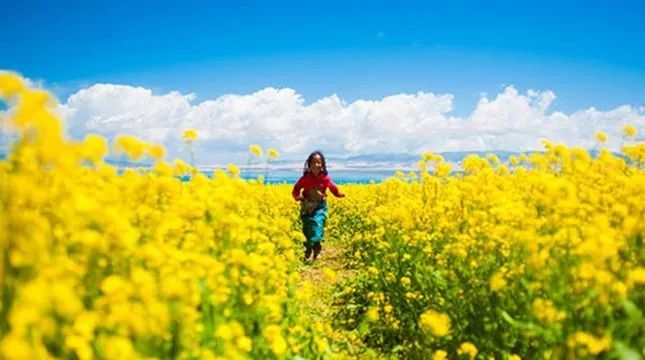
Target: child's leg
{"points": [[317, 248], [308, 250], [318, 226]]}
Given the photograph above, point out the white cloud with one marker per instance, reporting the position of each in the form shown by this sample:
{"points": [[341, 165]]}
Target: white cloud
{"points": [[280, 118], [112, 109]]}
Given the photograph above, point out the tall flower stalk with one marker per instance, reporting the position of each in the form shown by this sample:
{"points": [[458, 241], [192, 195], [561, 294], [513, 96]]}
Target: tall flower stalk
{"points": [[272, 155], [255, 150], [189, 137]]}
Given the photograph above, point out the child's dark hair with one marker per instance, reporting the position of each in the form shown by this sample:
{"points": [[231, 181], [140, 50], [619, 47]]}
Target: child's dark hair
{"points": [[310, 158]]}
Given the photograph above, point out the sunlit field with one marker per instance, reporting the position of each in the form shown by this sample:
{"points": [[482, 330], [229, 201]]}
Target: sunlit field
{"points": [[540, 256]]}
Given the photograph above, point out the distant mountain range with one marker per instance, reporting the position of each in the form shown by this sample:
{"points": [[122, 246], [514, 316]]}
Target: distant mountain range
{"points": [[452, 156], [396, 161], [389, 161]]}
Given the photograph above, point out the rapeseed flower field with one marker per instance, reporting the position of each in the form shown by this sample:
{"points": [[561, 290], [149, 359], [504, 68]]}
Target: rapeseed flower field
{"points": [[538, 257]]}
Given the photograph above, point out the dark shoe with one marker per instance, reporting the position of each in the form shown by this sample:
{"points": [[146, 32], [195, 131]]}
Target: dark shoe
{"points": [[317, 250], [308, 252]]}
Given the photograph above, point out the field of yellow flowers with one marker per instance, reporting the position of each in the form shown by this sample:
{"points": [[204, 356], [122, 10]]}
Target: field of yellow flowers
{"points": [[98, 263], [540, 257]]}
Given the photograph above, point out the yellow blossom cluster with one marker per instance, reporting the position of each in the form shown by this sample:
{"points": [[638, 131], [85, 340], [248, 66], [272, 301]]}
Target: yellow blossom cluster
{"points": [[435, 323], [515, 257], [540, 255], [189, 135], [100, 262]]}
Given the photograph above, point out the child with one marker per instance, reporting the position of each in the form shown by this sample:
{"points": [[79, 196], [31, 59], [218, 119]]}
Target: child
{"points": [[313, 207]]}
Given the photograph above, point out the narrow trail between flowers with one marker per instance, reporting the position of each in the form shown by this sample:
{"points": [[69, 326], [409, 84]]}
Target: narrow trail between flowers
{"points": [[324, 273]]}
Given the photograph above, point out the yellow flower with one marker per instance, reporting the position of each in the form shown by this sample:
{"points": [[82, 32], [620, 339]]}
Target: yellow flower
{"points": [[65, 300], [443, 169], [473, 164], [546, 312], [440, 355], [636, 276], [10, 84], [273, 153], [13, 346], [373, 314], [112, 284], [244, 343], [321, 344], [80, 346], [589, 343], [435, 323], [305, 291], [181, 168], [156, 152], [95, 148], [329, 274], [173, 287], [275, 339], [467, 349], [514, 160], [233, 170], [130, 145], [255, 150], [422, 165], [629, 131], [224, 331], [118, 347], [163, 168], [601, 137], [492, 158], [189, 135], [497, 281]]}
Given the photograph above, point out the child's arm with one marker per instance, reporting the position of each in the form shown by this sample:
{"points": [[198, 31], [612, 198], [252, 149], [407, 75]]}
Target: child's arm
{"points": [[297, 188], [334, 189]]}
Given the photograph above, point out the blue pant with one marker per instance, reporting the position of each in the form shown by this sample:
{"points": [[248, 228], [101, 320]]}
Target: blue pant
{"points": [[313, 225]]}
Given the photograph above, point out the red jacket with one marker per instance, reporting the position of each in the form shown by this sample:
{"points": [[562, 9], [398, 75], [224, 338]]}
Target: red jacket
{"points": [[310, 181]]}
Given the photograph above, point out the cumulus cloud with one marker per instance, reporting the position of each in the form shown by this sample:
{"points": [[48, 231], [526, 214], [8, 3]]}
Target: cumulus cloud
{"points": [[280, 118]]}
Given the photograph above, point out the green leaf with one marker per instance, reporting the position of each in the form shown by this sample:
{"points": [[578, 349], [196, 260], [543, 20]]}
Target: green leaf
{"points": [[439, 279], [398, 348], [624, 352], [631, 310], [521, 325]]}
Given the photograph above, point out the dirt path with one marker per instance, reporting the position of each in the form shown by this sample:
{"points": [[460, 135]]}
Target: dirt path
{"points": [[324, 273]]}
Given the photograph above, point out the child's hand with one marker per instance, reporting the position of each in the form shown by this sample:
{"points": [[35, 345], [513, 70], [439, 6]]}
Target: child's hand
{"points": [[341, 195], [299, 198]]}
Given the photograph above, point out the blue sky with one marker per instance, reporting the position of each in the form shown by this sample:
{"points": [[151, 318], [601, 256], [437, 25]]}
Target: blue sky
{"points": [[588, 53]]}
